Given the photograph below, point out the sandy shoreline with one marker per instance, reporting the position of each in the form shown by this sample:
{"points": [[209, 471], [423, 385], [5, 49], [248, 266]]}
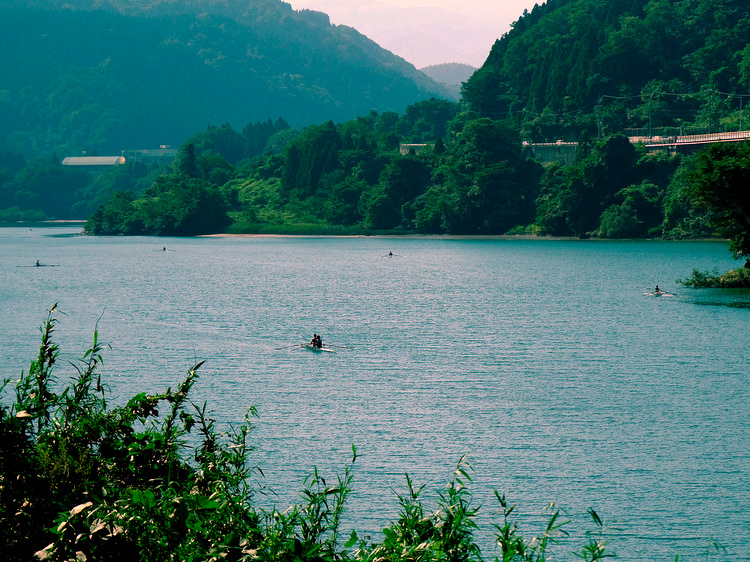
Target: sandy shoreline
{"points": [[414, 236], [458, 237], [396, 236]]}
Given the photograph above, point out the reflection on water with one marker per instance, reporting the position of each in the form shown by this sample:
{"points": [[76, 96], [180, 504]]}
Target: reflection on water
{"points": [[732, 298], [737, 304], [541, 360]]}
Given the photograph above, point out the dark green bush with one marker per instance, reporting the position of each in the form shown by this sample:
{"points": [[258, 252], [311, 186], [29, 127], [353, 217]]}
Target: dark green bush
{"points": [[735, 279], [82, 480]]}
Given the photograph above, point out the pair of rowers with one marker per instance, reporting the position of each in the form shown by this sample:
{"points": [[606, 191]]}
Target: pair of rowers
{"points": [[316, 341]]}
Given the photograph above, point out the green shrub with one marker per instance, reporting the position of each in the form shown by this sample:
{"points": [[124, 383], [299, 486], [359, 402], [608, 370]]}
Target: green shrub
{"points": [[82, 480], [735, 279]]}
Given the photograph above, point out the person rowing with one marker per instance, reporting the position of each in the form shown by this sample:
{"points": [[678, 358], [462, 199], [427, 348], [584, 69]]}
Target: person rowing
{"points": [[659, 292], [316, 341]]}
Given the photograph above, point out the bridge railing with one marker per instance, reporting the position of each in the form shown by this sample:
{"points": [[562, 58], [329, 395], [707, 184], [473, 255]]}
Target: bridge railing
{"points": [[562, 151], [714, 137]]}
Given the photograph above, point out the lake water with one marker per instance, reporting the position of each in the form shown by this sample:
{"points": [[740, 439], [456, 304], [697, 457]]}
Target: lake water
{"points": [[542, 361]]}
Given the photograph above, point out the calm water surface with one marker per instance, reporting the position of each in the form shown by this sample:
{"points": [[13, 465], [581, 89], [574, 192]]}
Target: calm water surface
{"points": [[540, 360]]}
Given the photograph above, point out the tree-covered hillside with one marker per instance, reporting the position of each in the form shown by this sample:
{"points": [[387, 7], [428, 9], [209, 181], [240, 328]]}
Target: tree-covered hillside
{"points": [[582, 69], [103, 77], [365, 175], [603, 65]]}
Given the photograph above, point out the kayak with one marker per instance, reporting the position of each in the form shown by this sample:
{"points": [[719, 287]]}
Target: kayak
{"points": [[659, 294]]}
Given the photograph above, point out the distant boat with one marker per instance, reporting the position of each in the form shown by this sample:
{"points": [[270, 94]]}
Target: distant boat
{"points": [[658, 294], [316, 348]]}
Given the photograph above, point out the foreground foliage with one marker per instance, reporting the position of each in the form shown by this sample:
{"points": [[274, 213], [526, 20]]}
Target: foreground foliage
{"points": [[154, 480]]}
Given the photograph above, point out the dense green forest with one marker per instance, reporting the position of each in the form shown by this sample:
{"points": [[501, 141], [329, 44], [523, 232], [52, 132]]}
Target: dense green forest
{"points": [[126, 74], [352, 178], [586, 70], [605, 65], [41, 188]]}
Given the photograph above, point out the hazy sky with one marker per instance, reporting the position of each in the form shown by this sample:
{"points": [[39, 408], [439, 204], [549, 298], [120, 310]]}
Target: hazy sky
{"points": [[426, 32], [458, 5]]}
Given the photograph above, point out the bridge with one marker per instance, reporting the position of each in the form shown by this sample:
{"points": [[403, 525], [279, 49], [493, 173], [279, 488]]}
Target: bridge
{"points": [[688, 144], [565, 152]]}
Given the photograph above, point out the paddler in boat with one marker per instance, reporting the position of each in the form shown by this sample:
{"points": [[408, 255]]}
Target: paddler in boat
{"points": [[316, 341], [657, 290]]}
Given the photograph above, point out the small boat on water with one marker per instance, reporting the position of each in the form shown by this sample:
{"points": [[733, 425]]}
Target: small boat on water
{"points": [[315, 348], [657, 292]]}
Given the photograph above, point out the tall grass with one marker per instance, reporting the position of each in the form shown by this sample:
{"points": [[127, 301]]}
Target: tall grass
{"points": [[154, 480]]}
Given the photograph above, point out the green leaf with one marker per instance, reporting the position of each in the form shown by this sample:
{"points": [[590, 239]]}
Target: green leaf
{"points": [[353, 538], [205, 503]]}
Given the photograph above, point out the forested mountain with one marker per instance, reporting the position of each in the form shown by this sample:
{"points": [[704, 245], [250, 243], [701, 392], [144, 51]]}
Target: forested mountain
{"points": [[452, 73], [603, 65], [577, 69], [103, 76]]}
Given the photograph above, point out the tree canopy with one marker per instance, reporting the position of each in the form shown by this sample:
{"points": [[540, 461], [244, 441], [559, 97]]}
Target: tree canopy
{"points": [[719, 184], [478, 180], [596, 65]]}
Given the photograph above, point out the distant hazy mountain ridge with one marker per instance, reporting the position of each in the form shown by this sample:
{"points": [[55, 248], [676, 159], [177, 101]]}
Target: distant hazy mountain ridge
{"points": [[107, 75], [452, 73]]}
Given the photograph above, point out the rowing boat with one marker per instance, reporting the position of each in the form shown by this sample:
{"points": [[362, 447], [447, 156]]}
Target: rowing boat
{"points": [[316, 349], [658, 294]]}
